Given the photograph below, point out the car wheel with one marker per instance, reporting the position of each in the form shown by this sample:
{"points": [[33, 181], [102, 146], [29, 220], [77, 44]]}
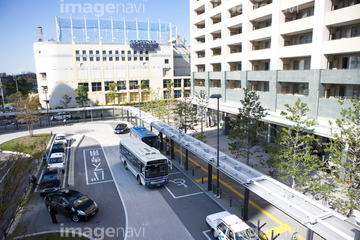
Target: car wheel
{"points": [[125, 165], [75, 218], [214, 233], [139, 180]]}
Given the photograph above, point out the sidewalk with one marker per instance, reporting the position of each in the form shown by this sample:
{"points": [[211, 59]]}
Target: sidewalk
{"points": [[211, 140]]}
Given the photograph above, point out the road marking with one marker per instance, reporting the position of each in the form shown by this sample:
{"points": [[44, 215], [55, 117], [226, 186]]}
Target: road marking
{"points": [[182, 196], [174, 173], [93, 183], [206, 235], [242, 196], [179, 182]]}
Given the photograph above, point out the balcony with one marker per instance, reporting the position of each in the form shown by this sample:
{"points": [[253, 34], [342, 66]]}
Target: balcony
{"points": [[295, 50], [261, 12], [343, 45], [343, 15], [297, 26]]}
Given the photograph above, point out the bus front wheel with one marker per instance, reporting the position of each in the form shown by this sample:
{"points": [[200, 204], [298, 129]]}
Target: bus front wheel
{"points": [[139, 180], [125, 165]]}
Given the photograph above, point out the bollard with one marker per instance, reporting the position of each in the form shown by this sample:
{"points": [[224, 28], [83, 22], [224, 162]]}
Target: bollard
{"points": [[242, 212], [202, 180], [272, 234], [230, 201], [258, 226], [220, 193]]}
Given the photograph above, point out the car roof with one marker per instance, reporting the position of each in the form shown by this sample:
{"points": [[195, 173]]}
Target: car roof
{"points": [[65, 192], [56, 155], [51, 171], [60, 134], [235, 223]]}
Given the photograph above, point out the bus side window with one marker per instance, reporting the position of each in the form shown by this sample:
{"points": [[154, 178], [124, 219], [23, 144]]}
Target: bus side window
{"points": [[143, 169]]}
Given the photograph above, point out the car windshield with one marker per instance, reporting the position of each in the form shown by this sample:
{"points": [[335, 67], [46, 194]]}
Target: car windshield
{"points": [[50, 177], [60, 138], [122, 126], [58, 146], [78, 199], [56, 160], [247, 234], [156, 170]]}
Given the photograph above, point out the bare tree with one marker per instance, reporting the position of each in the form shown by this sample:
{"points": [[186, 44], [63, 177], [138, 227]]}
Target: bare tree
{"points": [[29, 112]]}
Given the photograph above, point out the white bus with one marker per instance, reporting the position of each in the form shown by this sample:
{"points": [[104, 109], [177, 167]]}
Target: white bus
{"points": [[146, 163]]}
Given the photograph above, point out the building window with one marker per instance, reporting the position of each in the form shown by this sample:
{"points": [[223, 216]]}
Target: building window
{"points": [[166, 95], [122, 52], [123, 58], [110, 58], [121, 85], [78, 59], [84, 59], [96, 86], [104, 52], [146, 82], [91, 59], [187, 82], [116, 51], [135, 58], [97, 59], [90, 51], [177, 94], [146, 58], [107, 88], [84, 52], [166, 61], [141, 58], [177, 83], [117, 58], [186, 93], [97, 52], [133, 84], [77, 52], [166, 83], [85, 85]]}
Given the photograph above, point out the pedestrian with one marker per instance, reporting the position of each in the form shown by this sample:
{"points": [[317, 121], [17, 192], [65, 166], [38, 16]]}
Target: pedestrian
{"points": [[53, 212], [32, 179], [64, 121], [44, 160]]}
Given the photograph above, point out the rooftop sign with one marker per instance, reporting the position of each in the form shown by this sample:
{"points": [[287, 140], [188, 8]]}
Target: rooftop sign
{"points": [[143, 45]]}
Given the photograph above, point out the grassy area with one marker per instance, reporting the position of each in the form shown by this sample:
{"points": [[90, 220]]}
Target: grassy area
{"points": [[54, 236], [30, 145]]}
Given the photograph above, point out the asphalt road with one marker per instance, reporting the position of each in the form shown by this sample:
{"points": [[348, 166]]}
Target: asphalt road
{"points": [[175, 211]]}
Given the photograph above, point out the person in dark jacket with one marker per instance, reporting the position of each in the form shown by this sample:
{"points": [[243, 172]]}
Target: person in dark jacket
{"points": [[53, 212]]}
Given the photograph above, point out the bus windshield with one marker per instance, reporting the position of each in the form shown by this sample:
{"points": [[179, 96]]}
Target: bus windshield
{"points": [[156, 170], [152, 142]]}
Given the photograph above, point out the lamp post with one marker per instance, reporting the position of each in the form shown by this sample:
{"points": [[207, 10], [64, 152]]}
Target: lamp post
{"points": [[217, 96], [139, 87], [46, 101]]}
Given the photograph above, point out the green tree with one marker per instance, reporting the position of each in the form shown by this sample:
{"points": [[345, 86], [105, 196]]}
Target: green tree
{"points": [[160, 105], [24, 85], [185, 115], [344, 152], [29, 112], [202, 101], [82, 96], [247, 129], [113, 94], [66, 99], [294, 156]]}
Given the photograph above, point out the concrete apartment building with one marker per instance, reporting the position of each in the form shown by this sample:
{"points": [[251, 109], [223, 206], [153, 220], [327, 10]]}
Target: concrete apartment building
{"points": [[97, 52], [283, 50]]}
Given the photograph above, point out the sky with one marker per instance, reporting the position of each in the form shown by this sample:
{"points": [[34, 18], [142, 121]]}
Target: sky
{"points": [[20, 19]]}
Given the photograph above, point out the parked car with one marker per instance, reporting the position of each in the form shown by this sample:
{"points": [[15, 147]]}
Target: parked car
{"points": [[73, 204], [57, 161], [50, 181], [121, 128], [58, 148], [60, 138], [229, 226], [61, 116]]}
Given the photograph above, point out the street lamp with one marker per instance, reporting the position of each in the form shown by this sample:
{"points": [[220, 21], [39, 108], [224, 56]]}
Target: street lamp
{"points": [[217, 96], [46, 101], [139, 87]]}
